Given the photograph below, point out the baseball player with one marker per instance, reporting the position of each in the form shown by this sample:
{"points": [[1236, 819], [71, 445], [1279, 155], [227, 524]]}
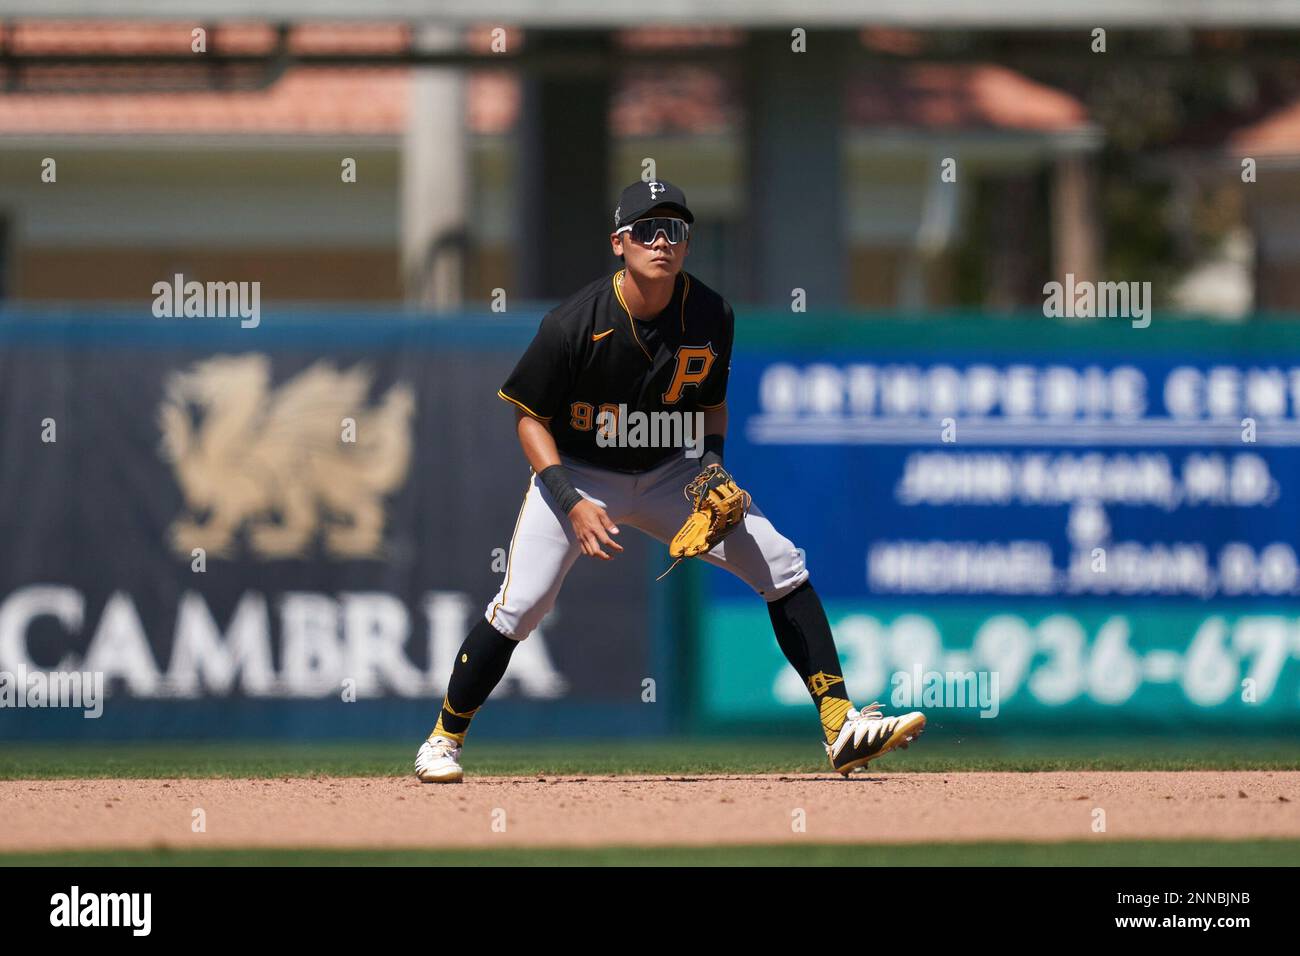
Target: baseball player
{"points": [[651, 338]]}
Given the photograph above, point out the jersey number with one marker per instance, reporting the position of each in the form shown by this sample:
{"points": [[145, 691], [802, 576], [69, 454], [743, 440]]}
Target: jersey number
{"points": [[693, 365], [583, 415]]}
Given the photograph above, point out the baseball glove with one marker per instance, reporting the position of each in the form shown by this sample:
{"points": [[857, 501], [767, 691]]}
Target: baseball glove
{"points": [[718, 506]]}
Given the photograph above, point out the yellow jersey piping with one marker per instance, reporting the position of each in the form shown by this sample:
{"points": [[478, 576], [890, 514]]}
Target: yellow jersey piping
{"points": [[523, 407], [631, 322], [686, 290]]}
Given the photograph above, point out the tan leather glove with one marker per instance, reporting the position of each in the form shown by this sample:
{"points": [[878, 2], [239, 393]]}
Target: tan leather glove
{"points": [[718, 507]]}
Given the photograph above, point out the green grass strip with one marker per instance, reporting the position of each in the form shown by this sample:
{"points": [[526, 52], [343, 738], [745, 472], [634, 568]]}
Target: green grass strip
{"points": [[1099, 852], [934, 753]]}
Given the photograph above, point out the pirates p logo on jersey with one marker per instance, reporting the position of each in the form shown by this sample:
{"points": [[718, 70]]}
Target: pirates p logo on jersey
{"points": [[693, 365]]}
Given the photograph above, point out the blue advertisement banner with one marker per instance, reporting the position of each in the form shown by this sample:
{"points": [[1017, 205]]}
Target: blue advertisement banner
{"points": [[1080, 491]]}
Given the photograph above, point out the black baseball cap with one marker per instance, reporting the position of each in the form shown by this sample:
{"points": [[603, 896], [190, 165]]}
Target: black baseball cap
{"points": [[639, 198]]}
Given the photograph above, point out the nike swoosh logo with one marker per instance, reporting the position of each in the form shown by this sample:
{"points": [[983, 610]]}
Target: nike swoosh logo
{"points": [[597, 336]]}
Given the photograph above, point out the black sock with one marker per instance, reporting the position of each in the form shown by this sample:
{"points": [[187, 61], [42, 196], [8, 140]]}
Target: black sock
{"points": [[480, 665], [807, 643]]}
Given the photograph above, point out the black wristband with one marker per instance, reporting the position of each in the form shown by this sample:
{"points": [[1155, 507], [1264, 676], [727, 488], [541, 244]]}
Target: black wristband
{"points": [[556, 480], [712, 451]]}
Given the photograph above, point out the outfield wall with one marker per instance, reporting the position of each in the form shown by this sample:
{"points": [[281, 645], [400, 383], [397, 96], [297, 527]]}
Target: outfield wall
{"points": [[341, 571], [1093, 524]]}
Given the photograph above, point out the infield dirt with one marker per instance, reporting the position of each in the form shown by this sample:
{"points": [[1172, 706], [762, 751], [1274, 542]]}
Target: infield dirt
{"points": [[488, 811]]}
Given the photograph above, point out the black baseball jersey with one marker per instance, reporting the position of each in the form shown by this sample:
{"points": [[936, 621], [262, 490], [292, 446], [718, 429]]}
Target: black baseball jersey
{"points": [[591, 364]]}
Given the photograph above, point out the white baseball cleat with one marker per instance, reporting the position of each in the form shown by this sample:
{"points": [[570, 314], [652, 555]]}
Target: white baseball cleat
{"points": [[867, 734], [438, 761]]}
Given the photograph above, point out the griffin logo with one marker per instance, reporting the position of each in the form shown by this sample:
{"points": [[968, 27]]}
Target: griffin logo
{"points": [[276, 462], [693, 365], [656, 188]]}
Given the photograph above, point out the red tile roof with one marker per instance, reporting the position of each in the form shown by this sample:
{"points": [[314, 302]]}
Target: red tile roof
{"points": [[311, 101], [109, 36], [1277, 134], [492, 101], [654, 38], [686, 99], [306, 101], [944, 96]]}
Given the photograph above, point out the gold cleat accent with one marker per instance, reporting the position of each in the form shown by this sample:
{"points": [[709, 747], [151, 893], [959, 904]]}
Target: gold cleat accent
{"points": [[868, 734]]}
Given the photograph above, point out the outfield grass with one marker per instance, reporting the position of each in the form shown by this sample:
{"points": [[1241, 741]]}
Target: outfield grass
{"points": [[933, 754], [1083, 853]]}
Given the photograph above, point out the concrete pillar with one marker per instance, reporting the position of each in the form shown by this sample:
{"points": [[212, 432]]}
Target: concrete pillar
{"points": [[1075, 243], [795, 231], [565, 201], [435, 182]]}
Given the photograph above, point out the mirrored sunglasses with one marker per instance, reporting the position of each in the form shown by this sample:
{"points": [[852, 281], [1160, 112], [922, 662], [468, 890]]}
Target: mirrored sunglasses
{"points": [[645, 231]]}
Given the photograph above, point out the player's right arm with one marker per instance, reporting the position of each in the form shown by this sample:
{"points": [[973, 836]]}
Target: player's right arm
{"points": [[539, 388], [591, 523]]}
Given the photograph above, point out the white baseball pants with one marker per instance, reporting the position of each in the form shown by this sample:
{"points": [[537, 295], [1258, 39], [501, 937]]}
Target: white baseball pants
{"points": [[544, 547]]}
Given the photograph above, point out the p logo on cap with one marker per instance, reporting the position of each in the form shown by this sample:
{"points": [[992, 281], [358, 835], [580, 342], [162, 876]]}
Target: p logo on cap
{"points": [[641, 196]]}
